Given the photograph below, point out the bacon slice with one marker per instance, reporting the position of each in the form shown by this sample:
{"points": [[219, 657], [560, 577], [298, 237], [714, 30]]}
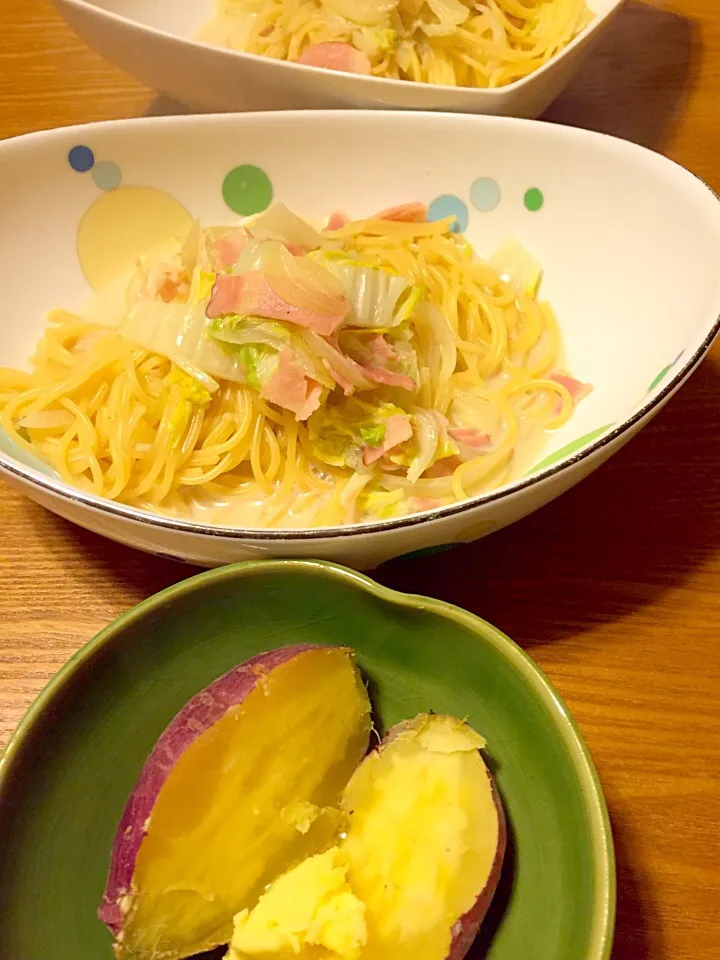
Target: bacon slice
{"points": [[225, 251], [336, 220], [336, 56], [397, 430], [405, 213], [250, 294], [442, 468], [576, 388], [290, 388], [164, 281], [381, 349], [344, 384], [390, 379], [470, 437], [424, 503]]}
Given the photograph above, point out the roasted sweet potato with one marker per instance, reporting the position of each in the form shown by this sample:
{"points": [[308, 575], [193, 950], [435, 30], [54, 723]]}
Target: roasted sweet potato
{"points": [[415, 871], [245, 782]]}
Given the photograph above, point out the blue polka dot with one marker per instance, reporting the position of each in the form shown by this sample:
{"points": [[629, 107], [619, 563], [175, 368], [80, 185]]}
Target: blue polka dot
{"points": [[485, 194], [107, 175], [81, 159], [448, 205]]}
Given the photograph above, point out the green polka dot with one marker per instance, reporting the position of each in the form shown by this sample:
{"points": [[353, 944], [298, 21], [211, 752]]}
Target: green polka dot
{"points": [[247, 190], [534, 199]]}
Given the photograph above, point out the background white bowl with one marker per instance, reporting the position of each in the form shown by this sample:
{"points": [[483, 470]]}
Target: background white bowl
{"points": [[152, 40], [630, 243]]}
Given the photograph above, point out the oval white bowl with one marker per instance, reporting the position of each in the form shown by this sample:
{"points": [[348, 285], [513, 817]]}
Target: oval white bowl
{"points": [[152, 40], [630, 243]]}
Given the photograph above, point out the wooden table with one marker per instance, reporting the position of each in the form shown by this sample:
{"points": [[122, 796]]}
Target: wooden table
{"points": [[614, 589]]}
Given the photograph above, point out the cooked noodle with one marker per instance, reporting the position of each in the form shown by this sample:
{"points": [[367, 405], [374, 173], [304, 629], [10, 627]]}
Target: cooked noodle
{"points": [[460, 43], [129, 424]]}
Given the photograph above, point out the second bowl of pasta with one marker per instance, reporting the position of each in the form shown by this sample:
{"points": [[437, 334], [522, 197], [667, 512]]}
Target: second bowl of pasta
{"points": [[497, 57], [243, 342]]}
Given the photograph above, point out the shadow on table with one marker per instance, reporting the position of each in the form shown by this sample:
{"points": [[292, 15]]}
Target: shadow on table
{"points": [[113, 563], [163, 106], [637, 527], [634, 909], [637, 83]]}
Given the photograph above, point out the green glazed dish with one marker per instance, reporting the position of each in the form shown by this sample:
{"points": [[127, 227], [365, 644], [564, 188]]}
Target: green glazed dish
{"points": [[68, 770]]}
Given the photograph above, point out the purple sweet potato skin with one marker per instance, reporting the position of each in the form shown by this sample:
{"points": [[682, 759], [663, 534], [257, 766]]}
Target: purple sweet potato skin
{"points": [[197, 716], [465, 929]]}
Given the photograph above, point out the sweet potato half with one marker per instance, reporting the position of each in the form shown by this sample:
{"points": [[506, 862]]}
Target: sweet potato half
{"points": [[244, 783], [415, 869]]}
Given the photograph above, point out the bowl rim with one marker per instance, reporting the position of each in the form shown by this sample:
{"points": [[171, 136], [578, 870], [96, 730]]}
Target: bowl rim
{"points": [[229, 53], [96, 504], [575, 749]]}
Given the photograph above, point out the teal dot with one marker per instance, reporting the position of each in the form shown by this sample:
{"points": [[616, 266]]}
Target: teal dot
{"points": [[534, 199], [247, 190], [107, 175], [448, 205], [485, 194]]}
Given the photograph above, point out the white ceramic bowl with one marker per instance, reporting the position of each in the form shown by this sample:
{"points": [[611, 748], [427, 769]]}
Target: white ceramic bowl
{"points": [[153, 41], [630, 243]]}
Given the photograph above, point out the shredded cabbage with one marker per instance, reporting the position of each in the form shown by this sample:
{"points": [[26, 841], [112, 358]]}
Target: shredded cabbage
{"points": [[241, 330], [204, 384], [234, 332], [372, 42], [373, 435], [190, 249], [279, 223], [179, 331], [259, 361], [519, 268], [365, 12], [336, 360], [450, 14], [374, 294], [339, 431], [382, 503], [201, 285]]}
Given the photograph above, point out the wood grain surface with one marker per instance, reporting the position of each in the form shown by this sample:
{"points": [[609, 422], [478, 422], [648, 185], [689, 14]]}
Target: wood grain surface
{"points": [[614, 589]]}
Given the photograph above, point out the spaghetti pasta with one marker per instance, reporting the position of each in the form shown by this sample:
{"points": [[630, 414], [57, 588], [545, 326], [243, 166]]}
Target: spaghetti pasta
{"points": [[461, 43], [225, 401]]}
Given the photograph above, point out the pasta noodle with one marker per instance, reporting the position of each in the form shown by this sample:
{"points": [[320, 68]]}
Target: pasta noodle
{"points": [[464, 355], [462, 43]]}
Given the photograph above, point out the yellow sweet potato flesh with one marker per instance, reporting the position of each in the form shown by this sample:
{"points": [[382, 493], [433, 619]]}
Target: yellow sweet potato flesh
{"points": [[422, 841], [253, 795], [309, 912], [423, 837]]}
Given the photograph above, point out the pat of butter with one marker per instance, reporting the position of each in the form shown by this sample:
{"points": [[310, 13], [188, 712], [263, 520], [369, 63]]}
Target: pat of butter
{"points": [[310, 906]]}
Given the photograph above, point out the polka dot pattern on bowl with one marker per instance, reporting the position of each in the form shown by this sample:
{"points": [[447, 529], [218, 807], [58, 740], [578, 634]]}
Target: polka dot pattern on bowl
{"points": [[247, 190]]}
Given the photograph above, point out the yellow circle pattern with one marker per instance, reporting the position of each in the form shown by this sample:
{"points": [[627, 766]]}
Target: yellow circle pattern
{"points": [[121, 225]]}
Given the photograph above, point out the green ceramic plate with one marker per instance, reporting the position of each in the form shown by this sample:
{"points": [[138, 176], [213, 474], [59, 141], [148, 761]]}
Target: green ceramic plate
{"points": [[67, 772]]}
